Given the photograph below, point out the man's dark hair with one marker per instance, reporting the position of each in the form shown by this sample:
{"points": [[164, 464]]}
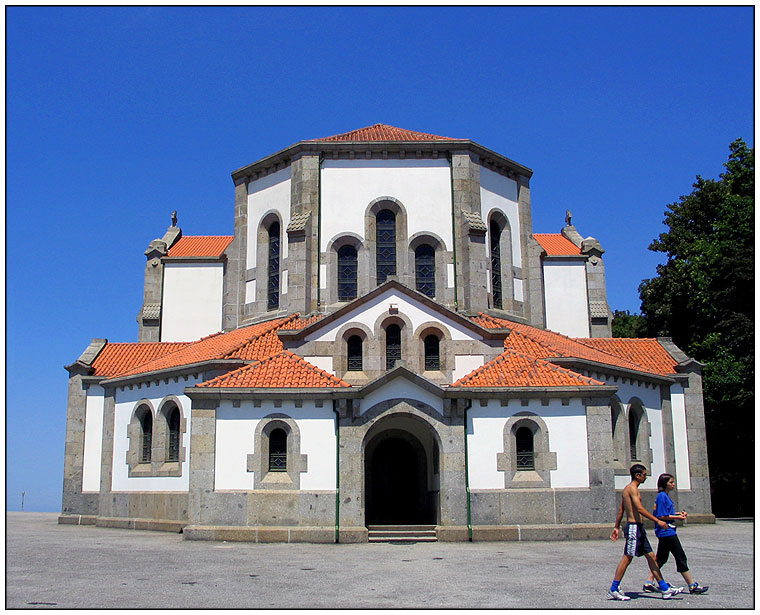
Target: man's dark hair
{"points": [[663, 481], [637, 468]]}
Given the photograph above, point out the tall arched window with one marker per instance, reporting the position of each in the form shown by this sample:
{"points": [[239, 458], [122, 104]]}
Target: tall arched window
{"points": [[432, 353], [146, 429], [273, 272], [385, 225], [392, 346], [347, 271], [496, 264], [278, 451], [172, 420], [424, 268], [524, 448], [633, 432], [354, 348]]}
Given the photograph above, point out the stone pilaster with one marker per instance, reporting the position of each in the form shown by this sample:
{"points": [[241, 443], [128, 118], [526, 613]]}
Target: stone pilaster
{"points": [[234, 290], [667, 430], [107, 507], [303, 234], [602, 502], [532, 280], [697, 500], [203, 453], [600, 317]]}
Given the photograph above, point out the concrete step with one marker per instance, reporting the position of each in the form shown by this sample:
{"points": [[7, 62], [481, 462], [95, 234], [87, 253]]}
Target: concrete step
{"points": [[402, 533]]}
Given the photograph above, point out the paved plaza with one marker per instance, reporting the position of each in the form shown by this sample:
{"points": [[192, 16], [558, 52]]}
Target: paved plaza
{"points": [[64, 566]]}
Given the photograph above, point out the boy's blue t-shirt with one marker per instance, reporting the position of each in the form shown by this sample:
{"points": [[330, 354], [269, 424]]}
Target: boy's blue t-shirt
{"points": [[663, 506]]}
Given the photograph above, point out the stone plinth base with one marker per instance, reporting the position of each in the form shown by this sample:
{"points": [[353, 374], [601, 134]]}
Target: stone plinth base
{"points": [[156, 525], [259, 533], [77, 520]]}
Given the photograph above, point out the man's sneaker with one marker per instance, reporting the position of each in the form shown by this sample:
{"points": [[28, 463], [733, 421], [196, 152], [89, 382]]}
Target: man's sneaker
{"points": [[650, 587], [617, 595], [671, 591], [696, 588]]}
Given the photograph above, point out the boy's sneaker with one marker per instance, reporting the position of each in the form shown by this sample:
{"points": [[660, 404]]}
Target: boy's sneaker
{"points": [[617, 595], [650, 587], [696, 588], [671, 591]]}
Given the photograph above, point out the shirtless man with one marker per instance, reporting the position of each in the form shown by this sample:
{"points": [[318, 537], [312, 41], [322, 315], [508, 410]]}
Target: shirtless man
{"points": [[636, 543]]}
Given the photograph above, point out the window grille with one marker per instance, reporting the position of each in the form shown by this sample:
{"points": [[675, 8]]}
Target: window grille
{"points": [[386, 245], [524, 446], [173, 453], [496, 264], [273, 283], [278, 451], [354, 347], [347, 272], [146, 423], [392, 346], [633, 432], [432, 353], [424, 261]]}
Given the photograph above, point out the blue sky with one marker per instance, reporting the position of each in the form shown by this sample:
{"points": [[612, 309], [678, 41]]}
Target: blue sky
{"points": [[117, 116]]}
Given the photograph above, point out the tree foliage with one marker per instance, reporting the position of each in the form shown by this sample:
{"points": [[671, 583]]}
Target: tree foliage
{"points": [[625, 324], [703, 297]]}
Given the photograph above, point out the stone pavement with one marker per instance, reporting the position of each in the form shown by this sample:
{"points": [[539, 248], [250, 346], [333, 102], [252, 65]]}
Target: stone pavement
{"points": [[63, 566]]}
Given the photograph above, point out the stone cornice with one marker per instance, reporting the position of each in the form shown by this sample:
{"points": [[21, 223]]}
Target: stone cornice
{"points": [[434, 149], [171, 372], [167, 260]]}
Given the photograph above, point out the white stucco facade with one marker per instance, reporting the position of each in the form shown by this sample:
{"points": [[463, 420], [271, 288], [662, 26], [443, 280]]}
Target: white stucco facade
{"points": [[566, 297], [192, 301], [499, 193], [401, 388], [680, 437], [93, 440], [268, 194]]}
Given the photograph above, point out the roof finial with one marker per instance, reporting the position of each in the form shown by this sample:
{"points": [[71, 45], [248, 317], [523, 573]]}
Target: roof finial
{"points": [[568, 218], [174, 218]]}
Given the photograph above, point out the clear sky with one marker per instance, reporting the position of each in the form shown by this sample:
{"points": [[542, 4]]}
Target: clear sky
{"points": [[117, 116]]}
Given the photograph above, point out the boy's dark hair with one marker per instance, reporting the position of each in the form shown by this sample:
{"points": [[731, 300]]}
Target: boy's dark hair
{"points": [[637, 468], [662, 481]]}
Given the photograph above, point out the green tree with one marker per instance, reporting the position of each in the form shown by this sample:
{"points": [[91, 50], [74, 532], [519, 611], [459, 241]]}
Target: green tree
{"points": [[703, 297], [625, 324]]}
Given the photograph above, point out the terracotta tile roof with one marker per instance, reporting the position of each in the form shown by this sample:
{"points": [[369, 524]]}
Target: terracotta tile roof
{"points": [[556, 244], [283, 370], [218, 346], [514, 369], [117, 358], [647, 352], [543, 343], [383, 132], [200, 245]]}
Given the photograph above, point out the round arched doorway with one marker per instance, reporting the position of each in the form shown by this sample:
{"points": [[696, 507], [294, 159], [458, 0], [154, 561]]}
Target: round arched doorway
{"points": [[401, 478]]}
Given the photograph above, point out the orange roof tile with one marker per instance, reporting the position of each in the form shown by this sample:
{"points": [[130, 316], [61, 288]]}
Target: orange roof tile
{"points": [[647, 352], [556, 244], [514, 369], [383, 132], [283, 370], [200, 245], [119, 357]]}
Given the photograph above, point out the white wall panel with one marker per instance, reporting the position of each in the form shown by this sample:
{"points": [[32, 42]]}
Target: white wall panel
{"points": [[192, 301], [678, 405], [566, 298], [499, 192], [271, 192], [93, 439]]}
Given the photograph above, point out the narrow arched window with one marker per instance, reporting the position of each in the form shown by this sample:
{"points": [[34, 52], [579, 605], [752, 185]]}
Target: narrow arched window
{"points": [[172, 453], [432, 353], [392, 346], [496, 264], [385, 229], [424, 268], [524, 448], [146, 429], [273, 272], [354, 348], [278, 451], [633, 432], [347, 271]]}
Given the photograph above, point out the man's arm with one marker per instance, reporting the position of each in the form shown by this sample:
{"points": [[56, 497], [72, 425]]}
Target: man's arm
{"points": [[636, 500], [616, 530]]}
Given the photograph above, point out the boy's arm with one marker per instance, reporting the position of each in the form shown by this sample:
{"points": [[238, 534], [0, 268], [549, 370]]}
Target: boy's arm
{"points": [[616, 530], [636, 499]]}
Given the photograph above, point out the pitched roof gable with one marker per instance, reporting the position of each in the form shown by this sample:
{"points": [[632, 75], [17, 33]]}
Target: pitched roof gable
{"points": [[647, 352], [282, 370], [200, 246], [514, 369], [383, 132], [119, 357], [556, 244]]}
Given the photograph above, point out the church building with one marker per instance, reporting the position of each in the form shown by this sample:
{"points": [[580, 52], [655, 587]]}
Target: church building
{"points": [[383, 350]]}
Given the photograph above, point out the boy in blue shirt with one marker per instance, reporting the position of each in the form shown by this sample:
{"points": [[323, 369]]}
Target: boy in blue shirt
{"points": [[668, 540]]}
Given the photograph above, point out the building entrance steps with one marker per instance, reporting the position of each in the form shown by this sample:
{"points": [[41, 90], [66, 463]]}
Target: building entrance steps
{"points": [[402, 533]]}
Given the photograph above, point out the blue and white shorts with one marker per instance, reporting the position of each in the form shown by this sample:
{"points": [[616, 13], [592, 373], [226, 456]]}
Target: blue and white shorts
{"points": [[636, 542]]}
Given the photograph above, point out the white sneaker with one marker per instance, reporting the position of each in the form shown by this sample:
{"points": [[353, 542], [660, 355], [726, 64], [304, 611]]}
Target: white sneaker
{"points": [[617, 595], [671, 591]]}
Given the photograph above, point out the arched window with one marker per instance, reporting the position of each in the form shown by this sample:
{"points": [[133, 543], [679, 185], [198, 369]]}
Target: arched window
{"points": [[354, 348], [424, 269], [524, 449], [278, 451], [496, 264], [172, 420], [146, 436], [432, 353], [385, 225], [347, 270], [634, 420], [273, 272], [392, 346]]}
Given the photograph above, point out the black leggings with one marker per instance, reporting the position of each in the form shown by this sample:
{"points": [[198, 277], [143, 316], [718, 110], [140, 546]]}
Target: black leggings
{"points": [[668, 545]]}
